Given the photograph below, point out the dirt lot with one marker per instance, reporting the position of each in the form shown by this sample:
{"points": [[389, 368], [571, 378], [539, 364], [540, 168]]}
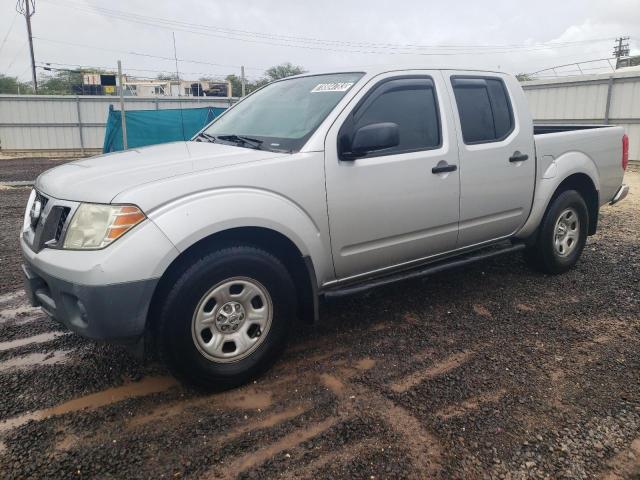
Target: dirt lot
{"points": [[488, 372]]}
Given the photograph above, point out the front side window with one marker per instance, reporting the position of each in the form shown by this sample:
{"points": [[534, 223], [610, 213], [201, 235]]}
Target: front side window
{"points": [[484, 109], [283, 115], [411, 104]]}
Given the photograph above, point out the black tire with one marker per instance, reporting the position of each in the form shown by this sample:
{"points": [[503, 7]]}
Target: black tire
{"points": [[176, 343], [543, 255]]}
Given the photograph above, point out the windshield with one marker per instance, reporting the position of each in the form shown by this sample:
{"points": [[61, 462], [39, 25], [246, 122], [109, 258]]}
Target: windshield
{"points": [[283, 115]]}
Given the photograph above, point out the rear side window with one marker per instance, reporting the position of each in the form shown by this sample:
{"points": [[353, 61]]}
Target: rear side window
{"points": [[484, 109], [408, 102]]}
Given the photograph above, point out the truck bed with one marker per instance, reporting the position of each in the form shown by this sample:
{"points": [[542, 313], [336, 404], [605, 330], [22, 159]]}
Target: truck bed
{"points": [[599, 145]]}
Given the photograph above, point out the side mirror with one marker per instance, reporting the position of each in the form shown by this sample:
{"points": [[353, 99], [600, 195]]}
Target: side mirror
{"points": [[374, 137]]}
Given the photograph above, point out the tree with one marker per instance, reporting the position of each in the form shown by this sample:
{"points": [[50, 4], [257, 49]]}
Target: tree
{"points": [[167, 76], [283, 70], [11, 85], [236, 85], [64, 81], [524, 77]]}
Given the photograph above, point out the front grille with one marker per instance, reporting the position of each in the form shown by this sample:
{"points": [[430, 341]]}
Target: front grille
{"points": [[61, 223], [49, 228]]}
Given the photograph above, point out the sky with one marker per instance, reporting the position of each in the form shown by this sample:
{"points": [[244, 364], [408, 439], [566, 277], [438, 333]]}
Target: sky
{"points": [[214, 38]]}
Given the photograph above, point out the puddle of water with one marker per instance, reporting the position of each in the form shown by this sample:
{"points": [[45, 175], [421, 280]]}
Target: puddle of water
{"points": [[33, 359], [242, 400], [288, 442], [248, 401], [20, 342], [365, 364], [146, 386], [440, 368], [332, 383]]}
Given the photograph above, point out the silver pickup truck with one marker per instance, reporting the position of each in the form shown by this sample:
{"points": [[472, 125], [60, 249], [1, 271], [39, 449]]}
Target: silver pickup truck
{"points": [[313, 186]]}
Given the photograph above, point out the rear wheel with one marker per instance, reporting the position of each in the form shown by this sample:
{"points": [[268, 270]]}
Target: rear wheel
{"points": [[562, 235], [227, 318]]}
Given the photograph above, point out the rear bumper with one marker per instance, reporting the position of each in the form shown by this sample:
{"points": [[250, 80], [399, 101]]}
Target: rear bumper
{"points": [[621, 193], [115, 312]]}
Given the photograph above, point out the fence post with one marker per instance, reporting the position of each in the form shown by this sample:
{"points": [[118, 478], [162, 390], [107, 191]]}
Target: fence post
{"points": [[608, 107], [80, 125], [123, 119]]}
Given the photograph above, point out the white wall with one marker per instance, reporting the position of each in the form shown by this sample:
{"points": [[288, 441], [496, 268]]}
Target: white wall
{"points": [[50, 122], [583, 99]]}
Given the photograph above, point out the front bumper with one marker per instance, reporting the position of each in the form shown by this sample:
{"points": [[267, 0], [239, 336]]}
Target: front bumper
{"points": [[115, 312]]}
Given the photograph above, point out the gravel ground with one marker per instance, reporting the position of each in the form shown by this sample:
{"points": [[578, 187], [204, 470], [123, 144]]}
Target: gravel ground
{"points": [[16, 169], [488, 372]]}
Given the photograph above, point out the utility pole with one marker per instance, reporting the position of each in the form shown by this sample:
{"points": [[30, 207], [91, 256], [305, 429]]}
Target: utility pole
{"points": [[243, 80], [28, 9], [621, 49], [123, 119]]}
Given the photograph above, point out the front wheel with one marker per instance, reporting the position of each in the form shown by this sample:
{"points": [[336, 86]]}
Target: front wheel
{"points": [[562, 235], [227, 318]]}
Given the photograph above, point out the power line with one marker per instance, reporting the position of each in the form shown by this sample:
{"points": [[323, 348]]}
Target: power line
{"points": [[4, 40], [47, 66], [140, 54], [312, 44], [19, 51]]}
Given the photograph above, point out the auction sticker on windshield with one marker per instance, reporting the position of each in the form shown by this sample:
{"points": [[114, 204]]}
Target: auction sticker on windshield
{"points": [[332, 87]]}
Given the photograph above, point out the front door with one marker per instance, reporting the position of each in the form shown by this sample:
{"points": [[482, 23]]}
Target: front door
{"points": [[400, 205]]}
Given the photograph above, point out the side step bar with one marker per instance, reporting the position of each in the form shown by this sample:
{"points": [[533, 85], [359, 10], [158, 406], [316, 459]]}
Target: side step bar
{"points": [[436, 267]]}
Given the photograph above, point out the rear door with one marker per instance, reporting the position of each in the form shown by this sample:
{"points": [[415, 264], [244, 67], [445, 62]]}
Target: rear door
{"points": [[390, 208], [497, 157]]}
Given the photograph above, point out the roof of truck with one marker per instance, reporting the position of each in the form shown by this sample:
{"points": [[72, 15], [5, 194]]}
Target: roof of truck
{"points": [[378, 69]]}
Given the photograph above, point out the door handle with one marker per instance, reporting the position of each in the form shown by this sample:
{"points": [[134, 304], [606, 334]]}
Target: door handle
{"points": [[444, 168], [518, 157]]}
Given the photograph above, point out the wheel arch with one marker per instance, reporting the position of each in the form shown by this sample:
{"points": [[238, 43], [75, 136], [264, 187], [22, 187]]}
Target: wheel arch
{"points": [[583, 184], [299, 266], [572, 170]]}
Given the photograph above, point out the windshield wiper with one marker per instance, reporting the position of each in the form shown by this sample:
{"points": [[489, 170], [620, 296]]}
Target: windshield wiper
{"points": [[241, 139], [206, 136]]}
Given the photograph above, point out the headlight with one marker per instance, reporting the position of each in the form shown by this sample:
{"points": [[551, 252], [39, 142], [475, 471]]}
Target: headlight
{"points": [[96, 226], [26, 224]]}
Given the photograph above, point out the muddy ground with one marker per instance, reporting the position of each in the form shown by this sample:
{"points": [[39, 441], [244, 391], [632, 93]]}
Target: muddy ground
{"points": [[488, 372]]}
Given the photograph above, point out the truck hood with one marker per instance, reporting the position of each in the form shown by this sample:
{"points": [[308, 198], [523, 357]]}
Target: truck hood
{"points": [[99, 179]]}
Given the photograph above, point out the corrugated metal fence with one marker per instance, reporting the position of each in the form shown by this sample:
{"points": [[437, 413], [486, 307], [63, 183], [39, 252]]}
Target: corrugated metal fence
{"points": [[598, 99], [44, 124]]}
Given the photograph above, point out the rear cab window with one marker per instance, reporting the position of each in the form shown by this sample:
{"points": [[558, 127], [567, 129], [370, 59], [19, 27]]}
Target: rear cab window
{"points": [[484, 109]]}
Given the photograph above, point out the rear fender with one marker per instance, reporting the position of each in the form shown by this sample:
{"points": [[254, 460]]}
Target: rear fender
{"points": [[555, 172]]}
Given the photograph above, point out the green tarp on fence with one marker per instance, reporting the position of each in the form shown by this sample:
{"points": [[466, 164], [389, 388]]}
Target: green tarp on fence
{"points": [[150, 127]]}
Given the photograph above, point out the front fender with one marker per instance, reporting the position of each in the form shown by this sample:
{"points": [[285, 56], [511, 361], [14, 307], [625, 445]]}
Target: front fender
{"points": [[550, 175], [189, 219]]}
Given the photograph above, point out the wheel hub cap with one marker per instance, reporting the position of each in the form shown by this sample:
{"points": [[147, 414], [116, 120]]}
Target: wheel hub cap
{"points": [[566, 232], [230, 317]]}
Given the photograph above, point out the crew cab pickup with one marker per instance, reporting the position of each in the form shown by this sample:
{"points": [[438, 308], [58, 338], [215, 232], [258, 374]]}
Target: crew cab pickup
{"points": [[313, 186]]}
